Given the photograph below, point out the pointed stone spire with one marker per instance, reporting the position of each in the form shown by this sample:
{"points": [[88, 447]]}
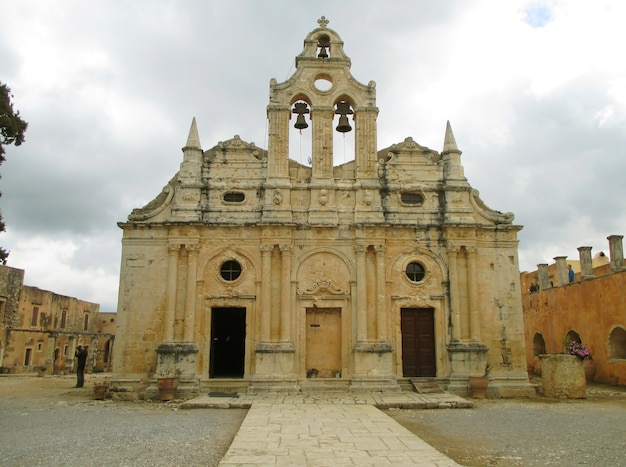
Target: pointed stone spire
{"points": [[449, 143], [193, 140]]}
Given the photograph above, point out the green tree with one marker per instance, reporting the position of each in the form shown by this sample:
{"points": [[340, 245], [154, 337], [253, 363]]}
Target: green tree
{"points": [[12, 129]]}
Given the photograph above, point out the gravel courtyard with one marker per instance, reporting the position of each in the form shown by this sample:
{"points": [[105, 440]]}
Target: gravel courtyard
{"points": [[45, 421]]}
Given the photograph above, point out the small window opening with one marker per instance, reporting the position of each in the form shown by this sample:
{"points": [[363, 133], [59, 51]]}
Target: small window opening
{"points": [[33, 321], [412, 199], [234, 197]]}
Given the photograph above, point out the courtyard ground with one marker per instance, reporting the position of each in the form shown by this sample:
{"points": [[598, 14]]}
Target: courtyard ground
{"points": [[45, 421]]}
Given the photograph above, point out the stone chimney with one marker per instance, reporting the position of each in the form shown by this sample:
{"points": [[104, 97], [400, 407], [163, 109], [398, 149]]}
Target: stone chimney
{"points": [[586, 263], [561, 270], [616, 252], [544, 278]]}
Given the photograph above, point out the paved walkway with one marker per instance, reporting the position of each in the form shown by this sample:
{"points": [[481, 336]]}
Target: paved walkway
{"points": [[328, 429]]}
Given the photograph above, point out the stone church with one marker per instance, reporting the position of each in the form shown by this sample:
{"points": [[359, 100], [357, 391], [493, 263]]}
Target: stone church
{"points": [[256, 272]]}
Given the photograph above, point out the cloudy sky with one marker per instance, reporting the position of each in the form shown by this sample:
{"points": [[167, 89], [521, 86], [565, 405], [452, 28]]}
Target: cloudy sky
{"points": [[535, 92]]}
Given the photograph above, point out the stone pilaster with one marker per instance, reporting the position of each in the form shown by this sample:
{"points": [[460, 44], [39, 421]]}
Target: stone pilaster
{"points": [[322, 157], [455, 304], [266, 298], [361, 296], [474, 304], [190, 298], [285, 296], [381, 309], [172, 280]]}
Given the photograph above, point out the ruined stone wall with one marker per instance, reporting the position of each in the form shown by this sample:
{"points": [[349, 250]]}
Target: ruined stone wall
{"points": [[45, 330]]}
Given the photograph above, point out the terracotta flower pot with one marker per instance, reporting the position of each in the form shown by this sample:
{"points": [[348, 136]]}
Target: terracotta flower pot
{"points": [[590, 370], [167, 388], [99, 391], [478, 386]]}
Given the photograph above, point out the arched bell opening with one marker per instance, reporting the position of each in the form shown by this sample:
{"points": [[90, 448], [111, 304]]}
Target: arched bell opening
{"points": [[323, 47], [343, 132], [300, 132]]}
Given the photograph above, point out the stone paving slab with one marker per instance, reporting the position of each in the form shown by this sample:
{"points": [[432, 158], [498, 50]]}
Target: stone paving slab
{"points": [[326, 434], [328, 429], [382, 400]]}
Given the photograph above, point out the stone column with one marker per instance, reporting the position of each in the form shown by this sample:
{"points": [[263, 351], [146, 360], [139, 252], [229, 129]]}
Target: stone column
{"points": [[561, 270], [285, 296], [617, 252], [472, 285], [266, 291], [381, 310], [190, 298], [455, 310], [544, 278], [361, 304], [172, 279], [586, 263]]}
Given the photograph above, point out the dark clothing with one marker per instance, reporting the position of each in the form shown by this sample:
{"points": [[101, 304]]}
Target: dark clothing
{"points": [[81, 355]]}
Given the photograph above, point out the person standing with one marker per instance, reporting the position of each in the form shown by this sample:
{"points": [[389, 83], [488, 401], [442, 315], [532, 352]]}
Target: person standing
{"points": [[81, 355]]}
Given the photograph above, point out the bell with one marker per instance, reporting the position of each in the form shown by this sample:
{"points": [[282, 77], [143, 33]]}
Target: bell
{"points": [[300, 108], [323, 53], [301, 123], [343, 126]]}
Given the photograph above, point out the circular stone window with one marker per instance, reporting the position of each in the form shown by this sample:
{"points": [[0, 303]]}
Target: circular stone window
{"points": [[323, 83], [230, 270], [415, 272]]}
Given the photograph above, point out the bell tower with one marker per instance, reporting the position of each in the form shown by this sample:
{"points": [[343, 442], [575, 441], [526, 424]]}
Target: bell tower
{"points": [[302, 95]]}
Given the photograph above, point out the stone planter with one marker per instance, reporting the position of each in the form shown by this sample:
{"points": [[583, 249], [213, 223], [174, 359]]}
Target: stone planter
{"points": [[167, 388], [478, 386], [563, 376]]}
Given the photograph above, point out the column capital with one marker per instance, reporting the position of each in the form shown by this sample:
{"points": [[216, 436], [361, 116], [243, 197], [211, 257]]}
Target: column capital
{"points": [[194, 247], [285, 248], [360, 248], [173, 248], [266, 248]]}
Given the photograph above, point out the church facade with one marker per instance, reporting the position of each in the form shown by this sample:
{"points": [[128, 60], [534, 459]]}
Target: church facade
{"points": [[271, 274]]}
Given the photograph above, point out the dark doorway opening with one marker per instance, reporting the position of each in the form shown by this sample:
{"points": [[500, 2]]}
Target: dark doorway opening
{"points": [[228, 337], [418, 342]]}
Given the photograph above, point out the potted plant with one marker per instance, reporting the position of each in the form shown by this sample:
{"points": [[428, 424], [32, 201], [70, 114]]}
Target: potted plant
{"points": [[312, 373], [168, 384], [100, 389], [478, 384], [581, 351], [41, 370]]}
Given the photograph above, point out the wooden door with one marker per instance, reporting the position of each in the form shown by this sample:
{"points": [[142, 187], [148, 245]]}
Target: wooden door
{"points": [[418, 342], [323, 340]]}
